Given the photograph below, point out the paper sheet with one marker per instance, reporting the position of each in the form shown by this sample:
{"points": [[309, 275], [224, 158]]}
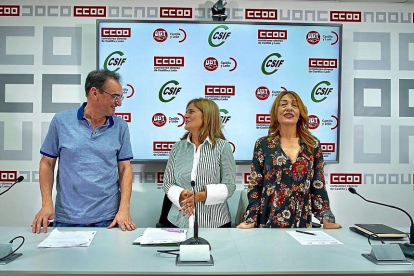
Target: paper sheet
{"points": [[162, 236], [320, 238], [68, 239]]}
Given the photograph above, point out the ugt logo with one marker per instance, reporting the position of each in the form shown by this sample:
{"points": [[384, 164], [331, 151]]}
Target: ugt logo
{"points": [[217, 38], [160, 35], [211, 64], [262, 93], [114, 59], [272, 63]]}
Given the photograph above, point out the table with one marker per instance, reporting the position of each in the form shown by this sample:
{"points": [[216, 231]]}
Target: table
{"points": [[235, 251]]}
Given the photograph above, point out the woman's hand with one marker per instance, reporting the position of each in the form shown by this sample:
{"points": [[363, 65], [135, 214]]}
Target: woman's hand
{"points": [[331, 225], [244, 225], [186, 203]]}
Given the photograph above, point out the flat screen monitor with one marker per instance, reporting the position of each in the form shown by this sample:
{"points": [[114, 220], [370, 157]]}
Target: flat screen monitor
{"points": [[242, 66]]}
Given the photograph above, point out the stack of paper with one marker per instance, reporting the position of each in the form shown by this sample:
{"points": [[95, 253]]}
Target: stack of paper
{"points": [[162, 236], [68, 239]]}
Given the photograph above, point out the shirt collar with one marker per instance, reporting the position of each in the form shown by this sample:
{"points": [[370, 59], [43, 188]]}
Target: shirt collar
{"points": [[207, 139], [81, 115]]}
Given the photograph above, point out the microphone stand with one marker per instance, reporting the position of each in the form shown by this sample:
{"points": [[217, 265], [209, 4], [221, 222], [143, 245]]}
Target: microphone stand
{"points": [[196, 250], [406, 248], [196, 239]]}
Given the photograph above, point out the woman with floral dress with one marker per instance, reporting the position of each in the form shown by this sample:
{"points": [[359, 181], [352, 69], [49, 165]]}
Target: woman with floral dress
{"points": [[287, 182]]}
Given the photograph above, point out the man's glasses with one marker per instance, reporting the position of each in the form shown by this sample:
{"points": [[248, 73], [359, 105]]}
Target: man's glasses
{"points": [[115, 97]]}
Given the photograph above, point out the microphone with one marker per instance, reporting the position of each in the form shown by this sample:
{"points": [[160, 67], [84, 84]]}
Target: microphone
{"points": [[195, 250], [407, 248], [19, 179]]}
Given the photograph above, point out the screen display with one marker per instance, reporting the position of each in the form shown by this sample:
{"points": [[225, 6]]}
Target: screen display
{"points": [[241, 66]]}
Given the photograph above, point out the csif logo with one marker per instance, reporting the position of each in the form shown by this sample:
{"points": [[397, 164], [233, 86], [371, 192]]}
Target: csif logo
{"points": [[162, 146], [125, 116], [159, 119], [262, 93], [114, 59], [314, 122], [346, 178], [160, 35], [211, 64], [170, 88], [321, 89], [217, 36], [225, 118], [313, 37], [116, 32], [272, 63], [263, 119]]}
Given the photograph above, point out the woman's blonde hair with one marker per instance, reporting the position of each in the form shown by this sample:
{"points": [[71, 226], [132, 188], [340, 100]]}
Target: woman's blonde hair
{"points": [[211, 127], [302, 126]]}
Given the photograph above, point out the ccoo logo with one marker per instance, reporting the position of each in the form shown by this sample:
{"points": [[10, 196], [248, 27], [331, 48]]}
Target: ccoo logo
{"points": [[217, 36], [262, 118]]}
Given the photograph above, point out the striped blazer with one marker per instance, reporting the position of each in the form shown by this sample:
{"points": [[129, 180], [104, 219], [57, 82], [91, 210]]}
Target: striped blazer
{"points": [[212, 169]]}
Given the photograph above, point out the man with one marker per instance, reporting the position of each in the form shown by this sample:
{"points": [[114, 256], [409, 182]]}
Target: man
{"points": [[94, 179]]}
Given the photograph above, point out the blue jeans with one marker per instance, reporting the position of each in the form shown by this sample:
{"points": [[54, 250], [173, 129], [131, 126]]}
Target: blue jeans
{"points": [[104, 223]]}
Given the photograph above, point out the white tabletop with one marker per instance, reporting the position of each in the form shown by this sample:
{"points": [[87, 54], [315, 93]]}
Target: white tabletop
{"points": [[235, 252]]}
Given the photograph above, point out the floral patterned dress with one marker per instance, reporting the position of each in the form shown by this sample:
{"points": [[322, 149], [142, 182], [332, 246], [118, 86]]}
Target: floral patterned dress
{"points": [[282, 194]]}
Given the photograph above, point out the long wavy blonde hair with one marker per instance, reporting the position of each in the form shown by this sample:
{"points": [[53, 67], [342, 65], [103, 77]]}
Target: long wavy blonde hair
{"points": [[302, 126], [211, 127]]}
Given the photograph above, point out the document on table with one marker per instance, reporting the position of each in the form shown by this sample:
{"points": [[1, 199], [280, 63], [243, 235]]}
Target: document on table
{"points": [[161, 236], [68, 239], [320, 238]]}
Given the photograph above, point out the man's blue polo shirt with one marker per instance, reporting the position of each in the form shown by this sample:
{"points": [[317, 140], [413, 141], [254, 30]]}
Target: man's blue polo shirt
{"points": [[87, 179]]}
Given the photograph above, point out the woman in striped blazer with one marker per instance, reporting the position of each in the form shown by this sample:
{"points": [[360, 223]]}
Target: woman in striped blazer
{"points": [[205, 157]]}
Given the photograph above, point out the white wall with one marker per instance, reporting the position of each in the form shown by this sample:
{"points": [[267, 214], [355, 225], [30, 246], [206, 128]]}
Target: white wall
{"points": [[377, 98]]}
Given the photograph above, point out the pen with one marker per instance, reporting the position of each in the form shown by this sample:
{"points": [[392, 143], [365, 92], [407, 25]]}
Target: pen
{"points": [[303, 232], [174, 230]]}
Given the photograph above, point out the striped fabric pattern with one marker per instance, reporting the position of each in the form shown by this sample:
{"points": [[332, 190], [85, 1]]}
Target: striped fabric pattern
{"points": [[215, 166]]}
